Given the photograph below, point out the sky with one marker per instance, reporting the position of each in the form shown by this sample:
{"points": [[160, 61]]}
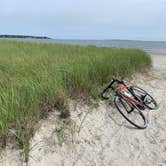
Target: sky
{"points": [[85, 19]]}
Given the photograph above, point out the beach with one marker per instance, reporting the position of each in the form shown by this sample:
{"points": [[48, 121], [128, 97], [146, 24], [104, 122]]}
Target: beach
{"points": [[105, 138], [159, 62], [98, 135], [83, 83]]}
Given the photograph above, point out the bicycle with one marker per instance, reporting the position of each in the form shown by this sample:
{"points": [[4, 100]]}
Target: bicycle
{"points": [[130, 101]]}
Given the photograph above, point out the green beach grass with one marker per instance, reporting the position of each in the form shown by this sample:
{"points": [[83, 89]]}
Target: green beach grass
{"points": [[33, 77]]}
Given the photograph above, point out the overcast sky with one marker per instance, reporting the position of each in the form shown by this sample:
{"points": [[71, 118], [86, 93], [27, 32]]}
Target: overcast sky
{"points": [[85, 19]]}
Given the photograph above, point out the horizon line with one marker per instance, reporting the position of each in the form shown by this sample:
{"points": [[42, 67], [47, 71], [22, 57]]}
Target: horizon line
{"points": [[83, 39]]}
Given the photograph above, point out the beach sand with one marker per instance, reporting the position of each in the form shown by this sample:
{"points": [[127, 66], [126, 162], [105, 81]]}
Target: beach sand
{"points": [[159, 63], [98, 135]]}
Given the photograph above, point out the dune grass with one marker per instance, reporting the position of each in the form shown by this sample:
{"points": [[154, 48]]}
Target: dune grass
{"points": [[34, 76]]}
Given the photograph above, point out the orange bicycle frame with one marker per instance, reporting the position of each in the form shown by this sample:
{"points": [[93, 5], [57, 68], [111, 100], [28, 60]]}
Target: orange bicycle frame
{"points": [[123, 87]]}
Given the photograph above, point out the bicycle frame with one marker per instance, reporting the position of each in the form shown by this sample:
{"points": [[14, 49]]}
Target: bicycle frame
{"points": [[119, 91], [133, 101]]}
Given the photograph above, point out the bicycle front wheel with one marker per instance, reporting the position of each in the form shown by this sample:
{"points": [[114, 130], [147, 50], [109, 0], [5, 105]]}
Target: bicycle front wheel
{"points": [[145, 97], [130, 112]]}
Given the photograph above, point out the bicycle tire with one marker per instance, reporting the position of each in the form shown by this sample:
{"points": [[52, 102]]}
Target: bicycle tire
{"points": [[143, 119], [135, 90]]}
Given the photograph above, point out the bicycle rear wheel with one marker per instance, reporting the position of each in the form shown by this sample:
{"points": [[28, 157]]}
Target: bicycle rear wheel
{"points": [[130, 112], [145, 97]]}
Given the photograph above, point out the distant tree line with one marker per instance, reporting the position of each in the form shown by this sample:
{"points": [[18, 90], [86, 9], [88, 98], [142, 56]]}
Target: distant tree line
{"points": [[22, 36]]}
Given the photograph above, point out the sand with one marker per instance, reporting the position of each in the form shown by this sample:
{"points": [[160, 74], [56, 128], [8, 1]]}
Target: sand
{"points": [[97, 135]]}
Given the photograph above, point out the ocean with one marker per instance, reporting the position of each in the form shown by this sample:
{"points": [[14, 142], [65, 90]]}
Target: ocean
{"points": [[152, 47]]}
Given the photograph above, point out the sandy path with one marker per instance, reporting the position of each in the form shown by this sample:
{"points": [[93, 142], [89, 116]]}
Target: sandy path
{"points": [[99, 136]]}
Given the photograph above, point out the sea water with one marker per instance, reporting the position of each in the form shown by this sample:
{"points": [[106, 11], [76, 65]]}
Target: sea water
{"points": [[152, 47]]}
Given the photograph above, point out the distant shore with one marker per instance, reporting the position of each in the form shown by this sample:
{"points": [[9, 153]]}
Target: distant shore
{"points": [[22, 37]]}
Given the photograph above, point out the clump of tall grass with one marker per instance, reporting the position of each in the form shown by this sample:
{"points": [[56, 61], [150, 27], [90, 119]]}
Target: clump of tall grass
{"points": [[34, 76]]}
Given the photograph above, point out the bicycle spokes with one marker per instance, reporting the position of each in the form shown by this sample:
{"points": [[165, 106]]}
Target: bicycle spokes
{"points": [[130, 113]]}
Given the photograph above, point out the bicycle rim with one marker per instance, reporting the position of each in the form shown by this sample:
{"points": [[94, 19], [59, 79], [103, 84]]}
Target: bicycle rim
{"points": [[135, 117], [145, 97]]}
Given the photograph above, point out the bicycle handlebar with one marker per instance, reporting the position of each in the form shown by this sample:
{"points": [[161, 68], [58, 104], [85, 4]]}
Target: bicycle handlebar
{"points": [[113, 81], [110, 86]]}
